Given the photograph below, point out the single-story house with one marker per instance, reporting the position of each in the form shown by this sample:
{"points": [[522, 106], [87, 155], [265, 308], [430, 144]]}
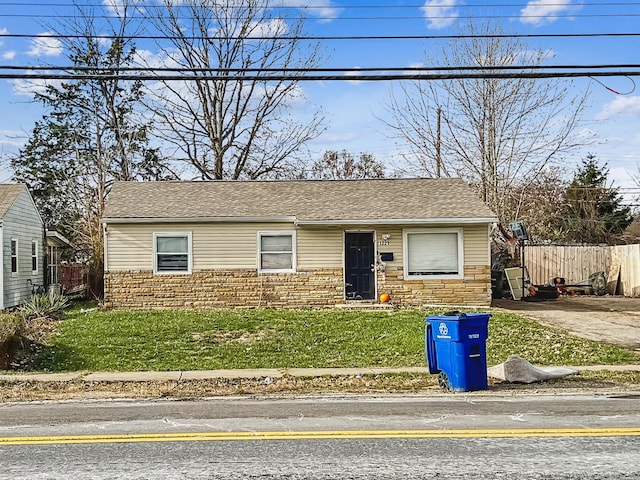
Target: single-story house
{"points": [[22, 235], [295, 244]]}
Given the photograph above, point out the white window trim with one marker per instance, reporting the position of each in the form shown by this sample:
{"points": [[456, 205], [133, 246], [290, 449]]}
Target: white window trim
{"points": [[405, 250], [17, 255], [36, 254], [157, 235], [294, 249]]}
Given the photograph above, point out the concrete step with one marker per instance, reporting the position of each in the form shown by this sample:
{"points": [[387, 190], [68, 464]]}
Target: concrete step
{"points": [[365, 305]]}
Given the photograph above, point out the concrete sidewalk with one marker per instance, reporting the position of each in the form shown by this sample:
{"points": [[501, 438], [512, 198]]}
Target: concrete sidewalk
{"points": [[240, 374]]}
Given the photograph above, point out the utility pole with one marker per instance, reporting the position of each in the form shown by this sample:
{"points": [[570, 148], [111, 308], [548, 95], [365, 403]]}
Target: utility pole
{"points": [[438, 157]]}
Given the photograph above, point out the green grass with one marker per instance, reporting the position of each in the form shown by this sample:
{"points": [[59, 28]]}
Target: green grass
{"points": [[190, 340]]}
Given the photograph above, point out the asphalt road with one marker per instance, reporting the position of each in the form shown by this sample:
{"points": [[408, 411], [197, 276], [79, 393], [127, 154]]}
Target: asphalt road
{"points": [[452, 436]]}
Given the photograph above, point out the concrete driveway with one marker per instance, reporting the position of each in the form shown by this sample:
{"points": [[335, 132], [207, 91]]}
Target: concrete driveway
{"points": [[607, 319]]}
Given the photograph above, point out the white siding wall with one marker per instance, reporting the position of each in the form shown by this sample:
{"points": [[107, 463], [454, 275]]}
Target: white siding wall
{"points": [[23, 223], [230, 245]]}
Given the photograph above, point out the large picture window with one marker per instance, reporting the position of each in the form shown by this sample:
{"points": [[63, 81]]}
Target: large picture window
{"points": [[172, 252], [436, 253], [276, 251]]}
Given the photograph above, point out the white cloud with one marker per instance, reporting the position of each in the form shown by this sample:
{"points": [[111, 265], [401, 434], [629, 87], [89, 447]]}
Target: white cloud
{"points": [[12, 138], [114, 6], [539, 12], [9, 55], [621, 107], [317, 8], [274, 27], [440, 13], [45, 45], [27, 87], [353, 74], [340, 138]]}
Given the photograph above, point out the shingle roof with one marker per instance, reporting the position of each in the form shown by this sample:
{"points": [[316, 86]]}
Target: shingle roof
{"points": [[8, 195], [305, 200]]}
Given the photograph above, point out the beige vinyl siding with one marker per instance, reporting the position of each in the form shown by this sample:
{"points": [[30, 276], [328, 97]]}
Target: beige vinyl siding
{"points": [[234, 245], [215, 246], [23, 223], [320, 248], [476, 242], [395, 244], [476, 245]]}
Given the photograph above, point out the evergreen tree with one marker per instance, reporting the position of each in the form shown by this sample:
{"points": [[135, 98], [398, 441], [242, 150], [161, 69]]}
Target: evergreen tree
{"points": [[92, 135], [594, 212]]}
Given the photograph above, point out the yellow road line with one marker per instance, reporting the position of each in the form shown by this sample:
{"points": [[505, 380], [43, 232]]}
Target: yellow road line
{"points": [[321, 435]]}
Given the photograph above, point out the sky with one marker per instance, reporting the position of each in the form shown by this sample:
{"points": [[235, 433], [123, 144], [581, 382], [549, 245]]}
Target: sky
{"points": [[611, 120]]}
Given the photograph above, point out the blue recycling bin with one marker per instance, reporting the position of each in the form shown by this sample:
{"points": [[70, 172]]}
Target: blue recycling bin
{"points": [[456, 349]]}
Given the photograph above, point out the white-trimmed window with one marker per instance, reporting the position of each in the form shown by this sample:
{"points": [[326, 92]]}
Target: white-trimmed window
{"points": [[172, 252], [14, 255], [34, 256], [433, 253], [277, 251]]}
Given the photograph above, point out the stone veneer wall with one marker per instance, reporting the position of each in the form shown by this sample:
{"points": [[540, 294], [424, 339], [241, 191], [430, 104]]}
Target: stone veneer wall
{"points": [[317, 288], [310, 288], [473, 289]]}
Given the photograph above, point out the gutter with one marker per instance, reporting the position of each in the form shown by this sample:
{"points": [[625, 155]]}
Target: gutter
{"points": [[247, 219], [400, 221], [302, 223]]}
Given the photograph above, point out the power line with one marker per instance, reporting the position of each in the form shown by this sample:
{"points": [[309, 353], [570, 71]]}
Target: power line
{"points": [[318, 37], [484, 68], [302, 78], [368, 18], [420, 5]]}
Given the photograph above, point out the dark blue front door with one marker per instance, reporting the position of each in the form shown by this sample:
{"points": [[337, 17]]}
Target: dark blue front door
{"points": [[359, 255]]}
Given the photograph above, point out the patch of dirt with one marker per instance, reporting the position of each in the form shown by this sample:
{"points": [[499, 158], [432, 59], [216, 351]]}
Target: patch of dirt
{"points": [[223, 337], [606, 319]]}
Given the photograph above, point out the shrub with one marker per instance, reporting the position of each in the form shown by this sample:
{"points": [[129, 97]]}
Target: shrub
{"points": [[9, 326], [10, 330], [45, 305]]}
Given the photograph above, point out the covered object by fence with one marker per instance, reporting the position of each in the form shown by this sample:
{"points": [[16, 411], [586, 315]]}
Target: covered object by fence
{"points": [[575, 263]]}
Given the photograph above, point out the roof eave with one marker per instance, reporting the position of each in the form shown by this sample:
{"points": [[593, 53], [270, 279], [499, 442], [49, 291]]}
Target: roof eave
{"points": [[400, 221], [291, 219], [247, 219]]}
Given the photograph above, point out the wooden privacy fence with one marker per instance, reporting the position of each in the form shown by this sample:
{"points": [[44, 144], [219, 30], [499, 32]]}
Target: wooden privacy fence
{"points": [[576, 263]]}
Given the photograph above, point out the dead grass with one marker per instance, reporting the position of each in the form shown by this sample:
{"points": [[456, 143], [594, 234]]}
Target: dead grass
{"points": [[222, 337], [420, 384]]}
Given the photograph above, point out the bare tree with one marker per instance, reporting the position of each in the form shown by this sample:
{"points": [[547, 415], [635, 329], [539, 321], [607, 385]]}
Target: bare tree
{"points": [[494, 133], [243, 127], [344, 166], [540, 203]]}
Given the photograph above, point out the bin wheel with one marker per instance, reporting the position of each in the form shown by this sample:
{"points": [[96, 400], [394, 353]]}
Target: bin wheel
{"points": [[443, 381]]}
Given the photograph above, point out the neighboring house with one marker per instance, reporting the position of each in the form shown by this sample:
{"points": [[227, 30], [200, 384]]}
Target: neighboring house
{"points": [[22, 234], [295, 244], [56, 243]]}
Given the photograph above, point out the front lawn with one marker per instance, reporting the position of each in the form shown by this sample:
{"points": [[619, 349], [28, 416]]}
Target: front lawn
{"points": [[203, 340]]}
